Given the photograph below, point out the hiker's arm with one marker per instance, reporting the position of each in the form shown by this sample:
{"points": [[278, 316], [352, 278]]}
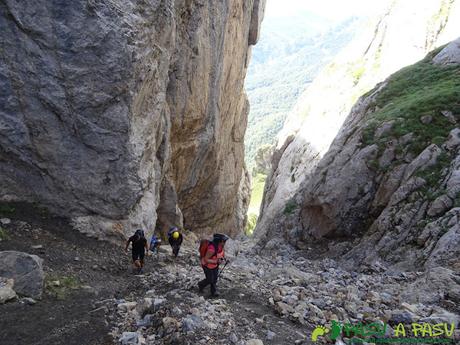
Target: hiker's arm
{"points": [[146, 246], [223, 259], [208, 259], [127, 245]]}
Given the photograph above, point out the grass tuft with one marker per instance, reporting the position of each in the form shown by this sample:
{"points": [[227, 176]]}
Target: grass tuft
{"points": [[4, 235], [61, 286], [290, 207], [6, 210]]}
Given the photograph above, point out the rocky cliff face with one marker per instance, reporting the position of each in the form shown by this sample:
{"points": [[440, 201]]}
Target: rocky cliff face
{"points": [[404, 32], [123, 114], [389, 188]]}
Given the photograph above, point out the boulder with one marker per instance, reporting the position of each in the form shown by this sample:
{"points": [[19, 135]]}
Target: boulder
{"points": [[192, 323], [453, 140], [126, 306], [26, 270], [449, 55], [170, 324], [6, 290], [440, 206], [404, 317], [441, 316], [5, 221], [284, 308], [143, 306], [255, 342], [129, 338], [270, 335]]}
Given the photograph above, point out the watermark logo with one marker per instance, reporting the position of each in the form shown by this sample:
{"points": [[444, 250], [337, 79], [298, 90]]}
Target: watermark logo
{"points": [[319, 331], [378, 332], [335, 331]]}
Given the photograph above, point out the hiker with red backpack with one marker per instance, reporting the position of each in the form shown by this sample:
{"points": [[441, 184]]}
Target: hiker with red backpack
{"points": [[212, 254]]}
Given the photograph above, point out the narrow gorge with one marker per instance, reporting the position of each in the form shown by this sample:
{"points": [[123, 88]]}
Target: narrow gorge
{"points": [[124, 115]]}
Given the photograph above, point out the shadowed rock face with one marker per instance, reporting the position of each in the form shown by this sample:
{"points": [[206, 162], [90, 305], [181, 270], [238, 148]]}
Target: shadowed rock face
{"points": [[110, 110]]}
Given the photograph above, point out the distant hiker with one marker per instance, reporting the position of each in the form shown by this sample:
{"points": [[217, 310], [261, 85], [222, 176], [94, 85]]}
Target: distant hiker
{"points": [[212, 254], [175, 240], [155, 244], [139, 246]]}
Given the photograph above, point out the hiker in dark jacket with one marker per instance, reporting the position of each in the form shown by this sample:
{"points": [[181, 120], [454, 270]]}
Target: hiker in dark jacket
{"points": [[210, 262], [175, 240], [139, 247]]}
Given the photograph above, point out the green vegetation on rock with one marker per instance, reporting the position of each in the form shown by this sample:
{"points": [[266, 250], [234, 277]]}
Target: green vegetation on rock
{"points": [[251, 224], [6, 210], [290, 207], [423, 101], [257, 192], [288, 56], [61, 286], [258, 184], [423, 89], [3, 235]]}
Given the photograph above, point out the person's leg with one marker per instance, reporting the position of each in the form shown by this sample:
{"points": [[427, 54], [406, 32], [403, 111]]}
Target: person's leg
{"points": [[136, 263], [138, 258], [141, 262], [213, 276], [141, 259], [176, 250], [206, 281]]}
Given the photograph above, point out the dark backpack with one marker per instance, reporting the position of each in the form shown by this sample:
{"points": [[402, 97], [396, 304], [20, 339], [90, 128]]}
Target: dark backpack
{"points": [[138, 235], [154, 242]]}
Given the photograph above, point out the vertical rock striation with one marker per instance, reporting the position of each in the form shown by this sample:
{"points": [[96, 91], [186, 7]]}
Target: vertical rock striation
{"points": [[122, 114]]}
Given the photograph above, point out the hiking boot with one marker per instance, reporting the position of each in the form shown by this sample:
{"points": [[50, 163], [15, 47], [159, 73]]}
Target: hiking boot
{"points": [[200, 288], [215, 295]]}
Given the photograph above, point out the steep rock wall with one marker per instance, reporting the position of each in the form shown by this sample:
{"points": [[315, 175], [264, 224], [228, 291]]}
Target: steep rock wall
{"points": [[402, 33], [389, 183], [388, 188], [112, 110]]}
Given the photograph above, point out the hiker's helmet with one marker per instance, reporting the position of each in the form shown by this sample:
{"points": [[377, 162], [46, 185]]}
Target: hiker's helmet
{"points": [[175, 235]]}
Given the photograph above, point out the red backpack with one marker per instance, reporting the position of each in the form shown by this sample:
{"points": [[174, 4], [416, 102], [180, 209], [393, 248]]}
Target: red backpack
{"points": [[204, 244]]}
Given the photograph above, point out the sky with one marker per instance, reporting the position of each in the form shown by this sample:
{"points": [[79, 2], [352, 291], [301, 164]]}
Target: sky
{"points": [[331, 9]]}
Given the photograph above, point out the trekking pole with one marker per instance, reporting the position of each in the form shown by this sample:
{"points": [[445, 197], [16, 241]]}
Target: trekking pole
{"points": [[220, 272]]}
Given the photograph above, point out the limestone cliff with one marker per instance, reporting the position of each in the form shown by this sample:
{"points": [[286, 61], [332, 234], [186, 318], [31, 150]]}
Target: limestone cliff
{"points": [[388, 188], [404, 32], [124, 114]]}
